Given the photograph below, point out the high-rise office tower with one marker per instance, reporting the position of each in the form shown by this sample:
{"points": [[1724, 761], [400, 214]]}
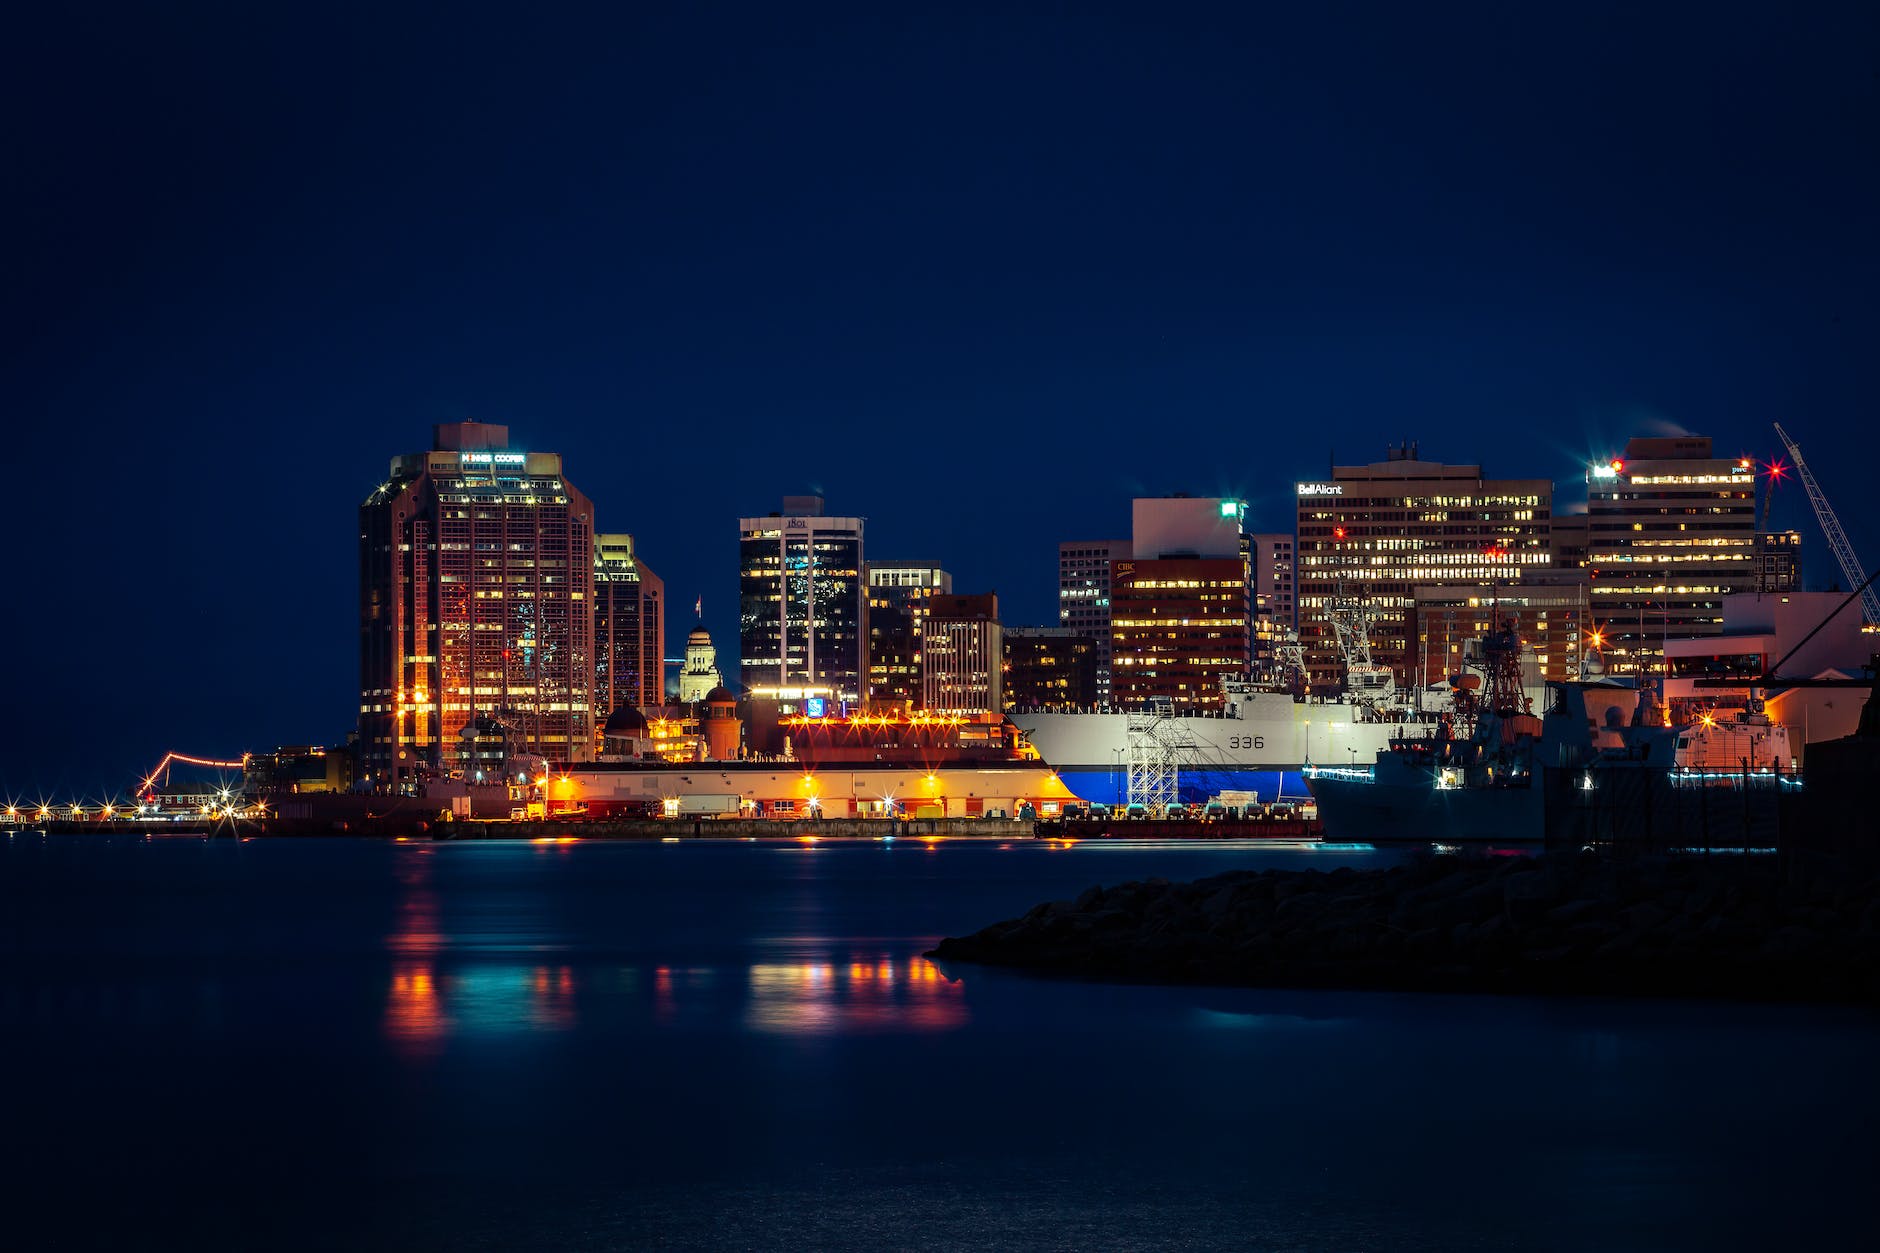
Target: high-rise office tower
{"points": [[802, 612], [1050, 668], [476, 622], [1274, 585], [1084, 596], [1274, 595], [629, 628], [1373, 534], [962, 656], [898, 596], [1671, 531], [1181, 613]]}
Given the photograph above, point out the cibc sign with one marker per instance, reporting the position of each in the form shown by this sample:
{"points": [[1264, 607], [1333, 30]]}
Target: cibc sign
{"points": [[1321, 489]]}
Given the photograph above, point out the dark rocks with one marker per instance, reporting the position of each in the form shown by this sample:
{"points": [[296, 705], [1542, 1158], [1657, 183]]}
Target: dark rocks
{"points": [[1564, 922]]}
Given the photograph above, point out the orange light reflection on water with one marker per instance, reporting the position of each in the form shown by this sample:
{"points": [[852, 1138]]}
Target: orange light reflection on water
{"points": [[811, 998], [414, 1013]]}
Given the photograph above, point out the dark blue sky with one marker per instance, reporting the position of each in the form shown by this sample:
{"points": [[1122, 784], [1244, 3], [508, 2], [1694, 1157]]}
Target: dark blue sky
{"points": [[980, 275]]}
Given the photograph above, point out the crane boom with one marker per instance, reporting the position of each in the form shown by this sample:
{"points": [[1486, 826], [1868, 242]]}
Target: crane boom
{"points": [[1851, 569]]}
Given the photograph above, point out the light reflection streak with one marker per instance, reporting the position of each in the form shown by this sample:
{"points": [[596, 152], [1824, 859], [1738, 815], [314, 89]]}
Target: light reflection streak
{"points": [[416, 932], [813, 998], [426, 1008], [414, 1014], [551, 1000]]}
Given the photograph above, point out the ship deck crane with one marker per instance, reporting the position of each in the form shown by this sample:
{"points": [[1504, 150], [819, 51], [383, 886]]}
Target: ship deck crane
{"points": [[1851, 569]]}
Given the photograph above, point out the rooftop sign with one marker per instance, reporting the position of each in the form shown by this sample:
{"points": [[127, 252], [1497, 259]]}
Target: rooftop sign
{"points": [[1321, 489]]}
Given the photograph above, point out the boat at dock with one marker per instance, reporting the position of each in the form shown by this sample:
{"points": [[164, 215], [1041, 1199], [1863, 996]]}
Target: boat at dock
{"points": [[1599, 763]]}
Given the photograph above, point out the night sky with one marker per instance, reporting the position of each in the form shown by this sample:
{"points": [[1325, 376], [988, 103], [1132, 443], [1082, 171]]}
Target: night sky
{"points": [[980, 276]]}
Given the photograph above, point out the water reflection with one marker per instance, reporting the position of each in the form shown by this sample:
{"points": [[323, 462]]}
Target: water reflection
{"points": [[428, 1006], [811, 998], [416, 930], [415, 1020]]}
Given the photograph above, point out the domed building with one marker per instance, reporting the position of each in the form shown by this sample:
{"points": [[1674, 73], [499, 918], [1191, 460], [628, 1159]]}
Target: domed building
{"points": [[700, 673], [624, 733]]}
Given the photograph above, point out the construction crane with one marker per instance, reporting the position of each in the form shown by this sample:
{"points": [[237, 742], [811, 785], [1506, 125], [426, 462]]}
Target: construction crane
{"points": [[1851, 569]]}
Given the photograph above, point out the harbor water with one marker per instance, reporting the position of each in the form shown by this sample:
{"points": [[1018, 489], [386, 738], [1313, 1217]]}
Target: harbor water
{"points": [[585, 1045]]}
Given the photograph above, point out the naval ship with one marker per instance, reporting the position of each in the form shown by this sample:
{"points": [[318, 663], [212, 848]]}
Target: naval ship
{"points": [[1600, 762], [1259, 741]]}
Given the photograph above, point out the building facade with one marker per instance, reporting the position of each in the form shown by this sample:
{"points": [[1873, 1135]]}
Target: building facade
{"points": [[1275, 584], [1449, 622], [898, 596], [629, 628], [802, 610], [962, 656], [1084, 596], [1370, 535], [1671, 531], [699, 676], [1050, 668], [476, 590], [1178, 626]]}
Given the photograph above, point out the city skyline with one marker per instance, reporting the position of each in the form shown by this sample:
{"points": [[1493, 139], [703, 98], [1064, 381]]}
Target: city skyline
{"points": [[1145, 255], [1044, 587]]}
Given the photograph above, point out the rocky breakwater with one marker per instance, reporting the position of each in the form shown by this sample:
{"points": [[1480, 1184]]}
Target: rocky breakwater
{"points": [[1565, 922]]}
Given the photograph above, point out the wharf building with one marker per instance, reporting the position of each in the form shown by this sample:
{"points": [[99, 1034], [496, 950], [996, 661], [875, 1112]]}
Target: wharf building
{"points": [[898, 597], [962, 656], [1370, 535], [1084, 596], [699, 676], [786, 755], [629, 628], [476, 591], [1181, 616], [1671, 532], [802, 608], [1050, 668]]}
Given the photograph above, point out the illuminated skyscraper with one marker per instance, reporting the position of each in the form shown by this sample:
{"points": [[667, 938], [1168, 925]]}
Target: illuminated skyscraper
{"points": [[1671, 531], [1376, 533], [802, 616], [476, 591], [1050, 668], [1084, 596], [962, 656], [1181, 606], [898, 596], [629, 628]]}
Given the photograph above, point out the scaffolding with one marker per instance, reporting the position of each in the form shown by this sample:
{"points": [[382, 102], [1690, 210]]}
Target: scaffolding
{"points": [[1158, 743]]}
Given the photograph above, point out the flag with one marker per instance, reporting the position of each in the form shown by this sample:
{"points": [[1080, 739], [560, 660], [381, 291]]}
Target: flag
{"points": [[698, 607]]}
